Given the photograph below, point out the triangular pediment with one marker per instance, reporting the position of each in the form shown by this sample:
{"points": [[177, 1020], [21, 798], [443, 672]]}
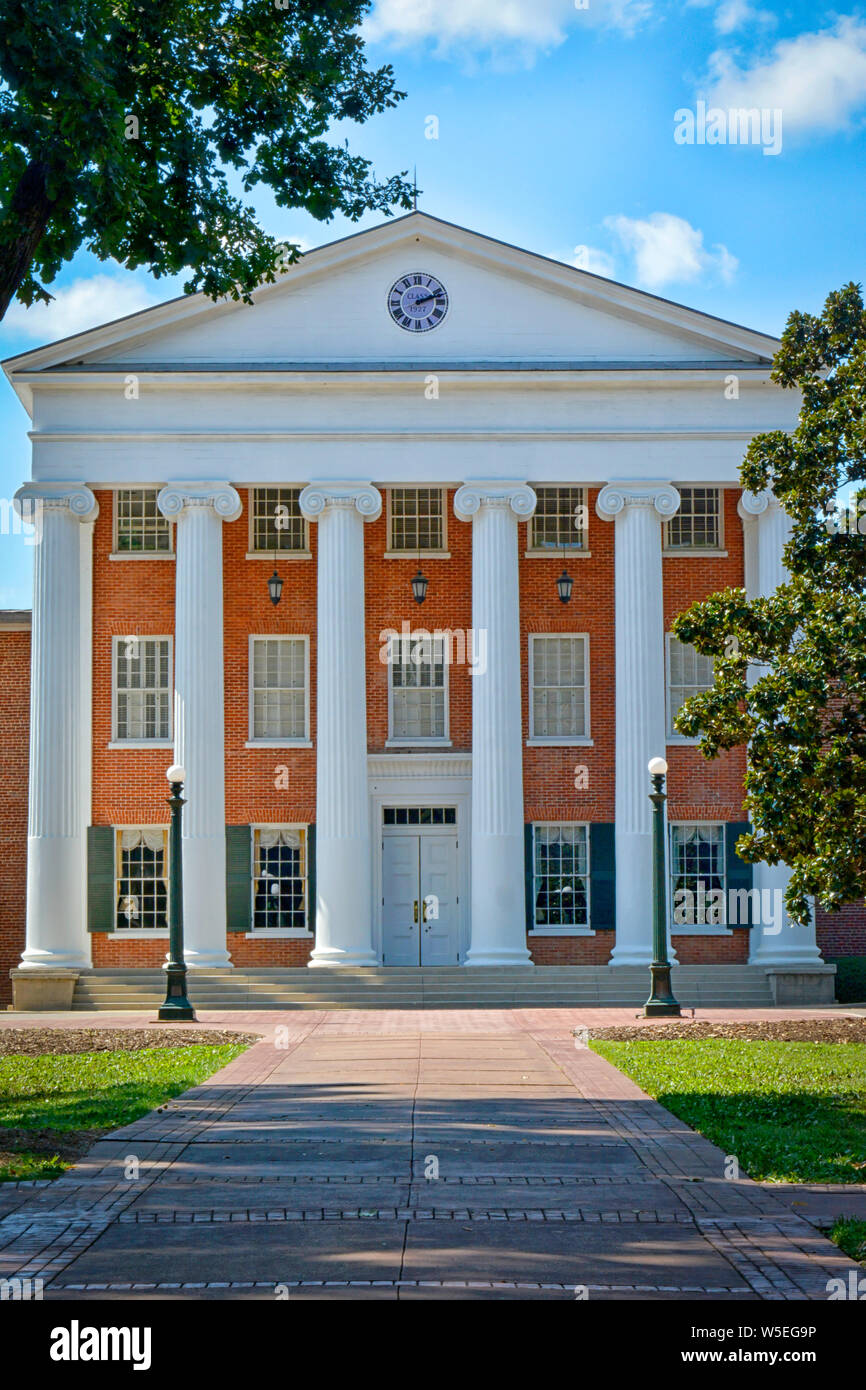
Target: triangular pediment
{"points": [[330, 311]]}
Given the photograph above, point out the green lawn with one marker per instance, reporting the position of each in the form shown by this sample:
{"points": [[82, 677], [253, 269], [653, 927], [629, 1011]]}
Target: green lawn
{"points": [[65, 1100], [850, 1236], [789, 1111]]}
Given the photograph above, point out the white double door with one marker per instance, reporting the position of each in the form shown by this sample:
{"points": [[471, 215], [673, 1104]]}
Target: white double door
{"points": [[419, 899]]}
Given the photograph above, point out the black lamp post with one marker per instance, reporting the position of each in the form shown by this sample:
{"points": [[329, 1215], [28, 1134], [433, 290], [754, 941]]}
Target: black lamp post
{"points": [[419, 586], [661, 1001], [176, 1006], [565, 584]]}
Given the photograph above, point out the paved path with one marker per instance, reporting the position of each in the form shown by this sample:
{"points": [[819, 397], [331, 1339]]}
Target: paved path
{"points": [[434, 1154]]}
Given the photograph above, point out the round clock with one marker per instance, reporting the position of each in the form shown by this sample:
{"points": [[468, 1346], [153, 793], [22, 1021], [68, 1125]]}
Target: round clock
{"points": [[417, 302]]}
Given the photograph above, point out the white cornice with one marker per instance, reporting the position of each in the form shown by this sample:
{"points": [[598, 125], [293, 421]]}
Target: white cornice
{"points": [[383, 436]]}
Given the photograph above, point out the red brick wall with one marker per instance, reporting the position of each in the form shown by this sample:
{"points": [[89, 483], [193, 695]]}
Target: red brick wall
{"points": [[842, 933], [14, 742]]}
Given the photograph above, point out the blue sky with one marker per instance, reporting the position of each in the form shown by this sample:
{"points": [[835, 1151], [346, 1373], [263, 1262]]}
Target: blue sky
{"points": [[556, 126]]}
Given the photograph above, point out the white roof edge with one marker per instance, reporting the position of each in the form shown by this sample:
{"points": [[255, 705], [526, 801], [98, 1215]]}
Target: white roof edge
{"points": [[592, 289]]}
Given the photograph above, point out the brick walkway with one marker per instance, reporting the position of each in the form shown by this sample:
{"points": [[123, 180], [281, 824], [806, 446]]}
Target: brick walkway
{"points": [[434, 1154]]}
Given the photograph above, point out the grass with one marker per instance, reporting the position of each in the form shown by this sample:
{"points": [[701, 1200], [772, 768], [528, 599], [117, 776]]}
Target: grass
{"points": [[850, 1236], [64, 1101], [788, 1111]]}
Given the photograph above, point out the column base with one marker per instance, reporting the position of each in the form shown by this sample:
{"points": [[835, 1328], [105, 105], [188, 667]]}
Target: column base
{"points": [[328, 959], [798, 985], [207, 960], [32, 959], [507, 957], [42, 990]]}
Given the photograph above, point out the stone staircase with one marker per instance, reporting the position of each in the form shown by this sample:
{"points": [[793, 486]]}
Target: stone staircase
{"points": [[482, 987]]}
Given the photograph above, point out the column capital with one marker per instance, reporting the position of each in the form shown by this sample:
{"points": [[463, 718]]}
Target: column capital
{"points": [[754, 504], [362, 497], [618, 495], [175, 498], [76, 498], [474, 495]]}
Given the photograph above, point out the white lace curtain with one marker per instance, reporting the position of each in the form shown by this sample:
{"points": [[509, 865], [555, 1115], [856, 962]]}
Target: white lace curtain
{"points": [[269, 838], [152, 837]]}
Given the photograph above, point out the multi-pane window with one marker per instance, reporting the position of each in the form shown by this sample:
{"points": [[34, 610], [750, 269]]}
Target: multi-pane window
{"points": [[697, 523], [418, 702], [419, 815], [142, 688], [279, 688], [277, 520], [559, 686], [559, 521], [141, 879], [689, 674], [417, 519], [560, 882], [698, 875], [279, 878], [139, 526]]}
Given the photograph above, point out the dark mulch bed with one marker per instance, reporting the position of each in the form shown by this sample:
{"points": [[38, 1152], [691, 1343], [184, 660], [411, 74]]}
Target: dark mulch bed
{"points": [[68, 1144], [37, 1042], [829, 1030]]}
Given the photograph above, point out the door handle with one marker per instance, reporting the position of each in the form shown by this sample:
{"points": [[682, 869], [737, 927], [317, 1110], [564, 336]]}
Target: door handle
{"points": [[424, 911], [415, 910]]}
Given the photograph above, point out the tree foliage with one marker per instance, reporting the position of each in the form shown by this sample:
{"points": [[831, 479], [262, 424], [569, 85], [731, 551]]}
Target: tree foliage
{"points": [[126, 124], [790, 668]]}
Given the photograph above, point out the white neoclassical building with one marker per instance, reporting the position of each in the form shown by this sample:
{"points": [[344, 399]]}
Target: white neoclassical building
{"points": [[413, 403]]}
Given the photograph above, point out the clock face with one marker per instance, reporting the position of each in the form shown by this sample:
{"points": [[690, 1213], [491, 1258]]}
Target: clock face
{"points": [[417, 302]]}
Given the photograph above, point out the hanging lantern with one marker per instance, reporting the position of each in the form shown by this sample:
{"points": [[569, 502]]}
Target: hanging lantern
{"points": [[275, 587], [419, 586], [565, 584]]}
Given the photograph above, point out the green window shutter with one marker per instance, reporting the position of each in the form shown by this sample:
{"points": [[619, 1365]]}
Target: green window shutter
{"points": [[100, 878], [238, 877], [738, 873], [529, 895], [602, 876], [311, 878]]}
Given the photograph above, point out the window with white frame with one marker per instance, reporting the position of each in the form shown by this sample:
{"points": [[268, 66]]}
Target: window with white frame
{"points": [[280, 878], [416, 519], [697, 523], [689, 674], [560, 876], [277, 520], [560, 519], [139, 526], [142, 689], [418, 693], [559, 686], [141, 878], [698, 875], [279, 688]]}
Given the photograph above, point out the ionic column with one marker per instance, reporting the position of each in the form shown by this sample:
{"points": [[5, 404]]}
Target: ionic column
{"points": [[56, 833], [498, 913], [637, 509], [344, 928], [774, 939], [199, 510]]}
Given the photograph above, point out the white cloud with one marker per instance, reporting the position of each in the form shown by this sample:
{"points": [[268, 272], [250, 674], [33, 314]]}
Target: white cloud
{"points": [[85, 303], [530, 24], [591, 258], [818, 81], [731, 15], [668, 250]]}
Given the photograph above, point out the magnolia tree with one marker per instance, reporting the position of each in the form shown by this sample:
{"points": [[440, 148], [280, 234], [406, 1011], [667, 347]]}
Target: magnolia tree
{"points": [[136, 129], [790, 668]]}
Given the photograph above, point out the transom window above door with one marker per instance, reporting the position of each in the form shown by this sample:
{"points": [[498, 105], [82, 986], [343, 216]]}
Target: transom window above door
{"points": [[276, 521], [416, 520], [419, 815], [139, 526], [560, 520]]}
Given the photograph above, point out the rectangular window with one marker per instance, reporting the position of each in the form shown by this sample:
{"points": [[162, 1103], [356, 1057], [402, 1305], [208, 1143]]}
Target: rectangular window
{"points": [[689, 674], [277, 520], [419, 815], [142, 688], [279, 688], [139, 526], [697, 524], [416, 519], [279, 878], [141, 879], [698, 875], [418, 692], [560, 868], [559, 686], [560, 520]]}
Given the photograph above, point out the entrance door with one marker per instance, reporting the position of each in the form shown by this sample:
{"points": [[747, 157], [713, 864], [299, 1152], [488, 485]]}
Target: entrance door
{"points": [[419, 902]]}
